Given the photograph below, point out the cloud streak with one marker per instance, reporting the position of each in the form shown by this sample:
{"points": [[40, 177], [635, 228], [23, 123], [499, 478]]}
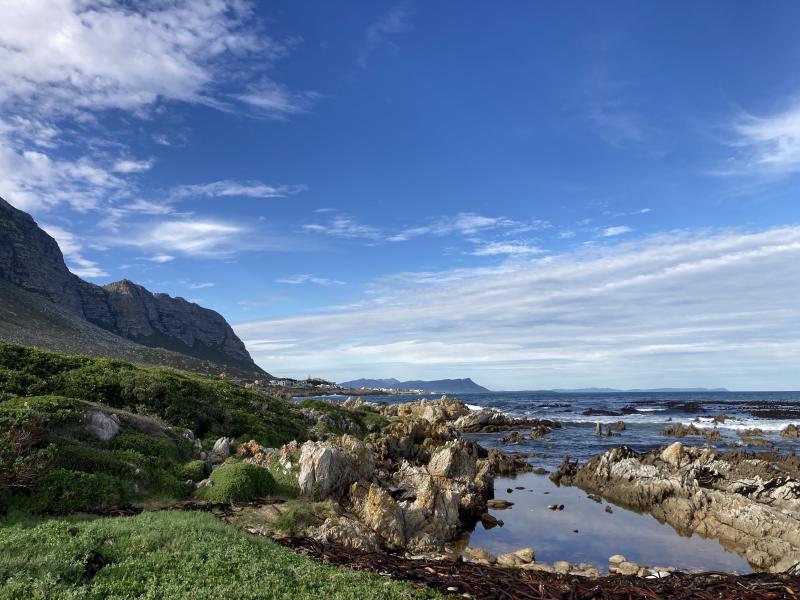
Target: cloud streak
{"points": [[681, 309]]}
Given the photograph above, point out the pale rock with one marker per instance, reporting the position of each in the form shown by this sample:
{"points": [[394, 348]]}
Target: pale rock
{"points": [[102, 425]]}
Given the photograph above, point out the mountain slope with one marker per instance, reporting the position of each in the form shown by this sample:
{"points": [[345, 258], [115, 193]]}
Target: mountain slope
{"points": [[121, 319], [445, 386]]}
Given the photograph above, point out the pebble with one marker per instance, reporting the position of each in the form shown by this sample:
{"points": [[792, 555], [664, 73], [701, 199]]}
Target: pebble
{"points": [[608, 509]]}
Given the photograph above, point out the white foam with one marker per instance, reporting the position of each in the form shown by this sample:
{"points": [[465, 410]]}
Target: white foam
{"points": [[474, 407]]}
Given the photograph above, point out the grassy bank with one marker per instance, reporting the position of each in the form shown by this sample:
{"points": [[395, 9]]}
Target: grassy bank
{"points": [[166, 555]]}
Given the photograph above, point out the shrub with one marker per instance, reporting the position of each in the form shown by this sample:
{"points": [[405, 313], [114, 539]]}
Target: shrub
{"points": [[196, 470], [238, 482], [297, 516], [63, 491]]}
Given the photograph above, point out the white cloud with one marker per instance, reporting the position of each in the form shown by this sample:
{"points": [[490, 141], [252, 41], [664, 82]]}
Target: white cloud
{"points": [[308, 278], [132, 166], [201, 286], [250, 189], [769, 145], [377, 34], [72, 249], [65, 63], [161, 258], [618, 230], [67, 56], [501, 248], [204, 238], [680, 309]]}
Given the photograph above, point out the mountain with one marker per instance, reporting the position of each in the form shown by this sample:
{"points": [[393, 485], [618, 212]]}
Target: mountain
{"points": [[43, 304], [444, 386], [594, 390]]}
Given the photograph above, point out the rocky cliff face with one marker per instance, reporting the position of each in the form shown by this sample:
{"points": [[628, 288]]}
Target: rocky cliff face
{"points": [[31, 260]]}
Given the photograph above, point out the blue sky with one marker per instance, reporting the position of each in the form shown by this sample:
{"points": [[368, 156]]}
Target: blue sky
{"points": [[534, 195]]}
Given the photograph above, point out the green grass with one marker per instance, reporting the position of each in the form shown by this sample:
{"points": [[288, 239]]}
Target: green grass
{"points": [[167, 555], [296, 516]]}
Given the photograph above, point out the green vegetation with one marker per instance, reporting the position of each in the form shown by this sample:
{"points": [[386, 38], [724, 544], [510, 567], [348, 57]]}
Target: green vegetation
{"points": [[167, 555], [358, 421], [238, 482], [211, 408], [195, 470], [296, 516]]}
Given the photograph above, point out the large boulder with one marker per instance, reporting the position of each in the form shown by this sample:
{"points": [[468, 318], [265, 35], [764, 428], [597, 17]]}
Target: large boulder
{"points": [[346, 532], [221, 450], [327, 469], [104, 426], [377, 509]]}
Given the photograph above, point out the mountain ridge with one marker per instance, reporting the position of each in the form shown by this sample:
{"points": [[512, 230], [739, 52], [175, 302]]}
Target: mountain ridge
{"points": [[445, 386], [32, 264]]}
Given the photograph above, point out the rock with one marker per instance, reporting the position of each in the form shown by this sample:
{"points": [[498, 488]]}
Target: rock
{"points": [[499, 504], [598, 430], [104, 426], [250, 449], [328, 470], [616, 559], [518, 558], [791, 432], [620, 426], [375, 508], [562, 566], [608, 509], [515, 437], [221, 450], [625, 568], [541, 471], [673, 454], [488, 521], [480, 555], [347, 532], [679, 430]]}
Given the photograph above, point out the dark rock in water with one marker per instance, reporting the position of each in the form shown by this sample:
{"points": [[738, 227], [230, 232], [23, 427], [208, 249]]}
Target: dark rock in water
{"points": [[629, 409], [594, 497], [520, 487], [499, 504], [515, 437], [620, 426], [600, 412], [609, 509], [509, 490], [488, 521], [688, 406], [540, 471]]}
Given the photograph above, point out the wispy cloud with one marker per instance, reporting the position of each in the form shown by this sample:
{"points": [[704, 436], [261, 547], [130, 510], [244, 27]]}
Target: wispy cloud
{"points": [[308, 278], [345, 227], [766, 145], [703, 308], [226, 188], [132, 166], [161, 258], [503, 248], [204, 238], [201, 286], [73, 251], [612, 231], [380, 32]]}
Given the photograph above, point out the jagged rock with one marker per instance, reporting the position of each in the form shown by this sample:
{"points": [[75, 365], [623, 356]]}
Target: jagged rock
{"points": [[221, 450], [791, 432], [328, 469], [679, 430], [102, 425], [490, 521], [375, 508]]}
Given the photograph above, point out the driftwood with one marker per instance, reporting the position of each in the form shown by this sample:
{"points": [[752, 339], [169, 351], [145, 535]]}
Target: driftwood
{"points": [[484, 582]]}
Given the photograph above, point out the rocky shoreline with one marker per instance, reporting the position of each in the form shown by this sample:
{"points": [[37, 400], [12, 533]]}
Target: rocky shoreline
{"points": [[750, 503], [416, 487]]}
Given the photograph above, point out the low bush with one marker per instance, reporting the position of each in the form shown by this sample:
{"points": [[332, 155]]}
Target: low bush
{"points": [[238, 482], [195, 470]]}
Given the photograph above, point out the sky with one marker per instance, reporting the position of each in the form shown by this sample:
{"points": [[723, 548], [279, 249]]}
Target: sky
{"points": [[534, 195]]}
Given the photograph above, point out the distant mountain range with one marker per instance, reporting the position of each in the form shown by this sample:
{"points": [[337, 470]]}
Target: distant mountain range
{"points": [[594, 390], [443, 386], [43, 305]]}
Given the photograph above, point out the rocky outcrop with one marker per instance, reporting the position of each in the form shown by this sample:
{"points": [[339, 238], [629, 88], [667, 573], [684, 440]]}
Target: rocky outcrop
{"points": [[416, 487], [750, 503], [31, 260]]}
